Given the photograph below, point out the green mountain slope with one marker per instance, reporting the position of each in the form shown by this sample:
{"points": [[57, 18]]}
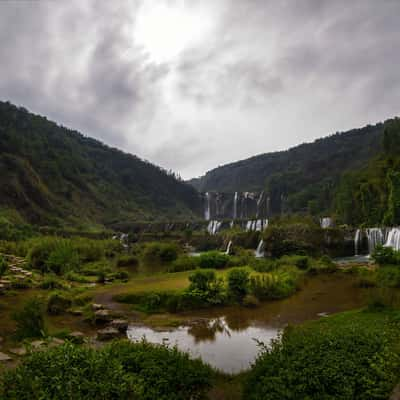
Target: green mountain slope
{"points": [[302, 179], [52, 175]]}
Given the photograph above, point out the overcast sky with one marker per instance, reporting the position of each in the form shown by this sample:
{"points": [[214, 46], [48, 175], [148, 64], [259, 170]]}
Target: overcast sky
{"points": [[194, 84]]}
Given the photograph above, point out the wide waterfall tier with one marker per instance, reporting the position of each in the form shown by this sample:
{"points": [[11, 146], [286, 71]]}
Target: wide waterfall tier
{"points": [[252, 225], [366, 240], [238, 205], [393, 239]]}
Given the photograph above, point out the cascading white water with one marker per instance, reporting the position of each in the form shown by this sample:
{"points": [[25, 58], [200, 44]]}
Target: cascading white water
{"points": [[375, 237], [228, 248], [213, 227], [357, 241], [259, 201], [256, 225], [260, 252], [326, 222], [393, 239], [207, 211], [235, 199]]}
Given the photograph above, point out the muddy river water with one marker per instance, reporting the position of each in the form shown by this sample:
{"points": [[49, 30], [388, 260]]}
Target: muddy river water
{"points": [[228, 338]]}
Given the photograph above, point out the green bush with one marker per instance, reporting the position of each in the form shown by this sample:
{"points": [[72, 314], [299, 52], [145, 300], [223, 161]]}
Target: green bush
{"points": [[53, 282], [346, 357], [63, 258], [165, 373], [3, 266], [184, 263], [70, 372], [30, 320], [127, 261], [58, 303], [120, 371], [238, 282], [213, 260], [275, 285], [160, 253], [385, 255]]}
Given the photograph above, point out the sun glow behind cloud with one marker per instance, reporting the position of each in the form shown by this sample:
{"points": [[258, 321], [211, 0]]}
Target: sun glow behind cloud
{"points": [[166, 29]]}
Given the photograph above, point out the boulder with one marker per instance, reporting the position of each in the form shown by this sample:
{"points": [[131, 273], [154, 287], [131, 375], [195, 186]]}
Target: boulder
{"points": [[120, 324], [96, 307], [108, 333], [101, 316], [77, 337], [4, 357], [20, 351]]}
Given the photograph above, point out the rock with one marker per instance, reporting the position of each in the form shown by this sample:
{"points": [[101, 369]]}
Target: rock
{"points": [[77, 337], [120, 324], [101, 316], [4, 357], [38, 344], [56, 342], [107, 333], [20, 351], [396, 393], [76, 311], [96, 307]]}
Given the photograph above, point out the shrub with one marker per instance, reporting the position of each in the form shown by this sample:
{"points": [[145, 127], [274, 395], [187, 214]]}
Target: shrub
{"points": [[30, 320], [58, 303], [202, 280], [70, 372], [184, 263], [165, 373], [213, 259], [238, 281], [53, 282], [274, 285], [75, 277], [127, 261], [160, 253], [3, 266], [385, 255], [63, 258], [353, 357], [250, 301]]}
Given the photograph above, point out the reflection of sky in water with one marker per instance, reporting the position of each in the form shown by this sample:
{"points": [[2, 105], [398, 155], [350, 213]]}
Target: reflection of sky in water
{"points": [[221, 347], [225, 337]]}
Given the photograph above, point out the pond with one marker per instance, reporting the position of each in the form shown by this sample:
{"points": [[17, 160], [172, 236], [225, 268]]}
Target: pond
{"points": [[228, 338]]}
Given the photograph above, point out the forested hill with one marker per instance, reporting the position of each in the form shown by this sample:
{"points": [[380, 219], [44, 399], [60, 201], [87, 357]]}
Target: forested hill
{"points": [[54, 175], [302, 179]]}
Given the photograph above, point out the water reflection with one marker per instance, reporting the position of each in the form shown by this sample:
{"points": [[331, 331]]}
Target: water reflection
{"points": [[227, 338]]}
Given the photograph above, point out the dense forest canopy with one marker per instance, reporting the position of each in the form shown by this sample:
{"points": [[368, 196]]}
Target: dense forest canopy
{"points": [[353, 175], [51, 174]]}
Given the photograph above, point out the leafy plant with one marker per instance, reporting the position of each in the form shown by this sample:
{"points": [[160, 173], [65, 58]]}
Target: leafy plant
{"points": [[30, 320]]}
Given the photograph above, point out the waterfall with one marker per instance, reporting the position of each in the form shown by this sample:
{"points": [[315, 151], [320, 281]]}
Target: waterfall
{"points": [[326, 222], [235, 199], [259, 201], [207, 212], [393, 239], [228, 248], [375, 237], [256, 225], [357, 241], [260, 249], [213, 227]]}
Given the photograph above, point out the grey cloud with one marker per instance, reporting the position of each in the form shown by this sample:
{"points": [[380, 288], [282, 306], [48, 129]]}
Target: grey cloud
{"points": [[271, 74]]}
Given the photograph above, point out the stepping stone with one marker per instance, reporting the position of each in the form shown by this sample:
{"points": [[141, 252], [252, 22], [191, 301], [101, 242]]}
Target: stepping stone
{"points": [[56, 342], [96, 307], [102, 316], [76, 311], [21, 351], [37, 344], [4, 357], [77, 337], [120, 324], [107, 333]]}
